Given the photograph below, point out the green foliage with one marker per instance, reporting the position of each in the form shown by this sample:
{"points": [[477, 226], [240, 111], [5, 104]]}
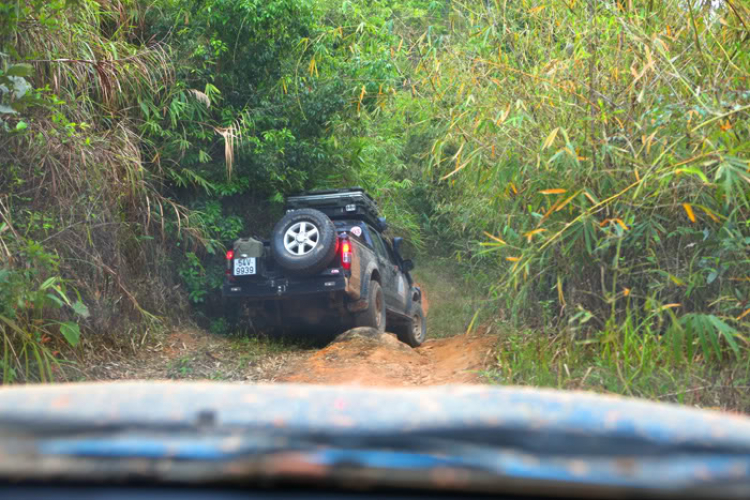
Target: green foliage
{"points": [[15, 96], [220, 326], [705, 330], [218, 227], [194, 276], [454, 302], [203, 276], [34, 307], [589, 170], [230, 112], [581, 167]]}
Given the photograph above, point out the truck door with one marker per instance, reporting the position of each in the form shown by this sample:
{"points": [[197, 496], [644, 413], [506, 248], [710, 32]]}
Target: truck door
{"points": [[390, 274], [400, 284]]}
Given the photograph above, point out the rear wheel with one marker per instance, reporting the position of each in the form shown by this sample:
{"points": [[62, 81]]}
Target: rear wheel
{"points": [[414, 330], [374, 315]]}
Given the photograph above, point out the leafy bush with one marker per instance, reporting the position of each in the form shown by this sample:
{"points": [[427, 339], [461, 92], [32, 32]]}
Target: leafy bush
{"points": [[35, 309]]}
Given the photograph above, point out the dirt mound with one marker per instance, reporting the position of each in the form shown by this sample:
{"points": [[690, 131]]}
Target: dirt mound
{"points": [[371, 334], [362, 358]]}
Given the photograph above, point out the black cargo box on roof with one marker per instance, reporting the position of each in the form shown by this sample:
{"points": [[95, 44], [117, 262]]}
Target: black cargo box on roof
{"points": [[350, 203]]}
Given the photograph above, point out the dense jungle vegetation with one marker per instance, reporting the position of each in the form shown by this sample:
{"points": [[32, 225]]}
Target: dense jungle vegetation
{"points": [[584, 162]]}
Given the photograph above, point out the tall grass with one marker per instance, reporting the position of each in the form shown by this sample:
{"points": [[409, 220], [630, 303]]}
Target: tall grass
{"points": [[632, 362]]}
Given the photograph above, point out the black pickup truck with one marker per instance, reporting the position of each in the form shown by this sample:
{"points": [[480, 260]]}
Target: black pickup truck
{"points": [[327, 265]]}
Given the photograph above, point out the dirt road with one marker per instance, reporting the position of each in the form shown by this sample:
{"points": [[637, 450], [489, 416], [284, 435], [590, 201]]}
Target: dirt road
{"points": [[358, 357], [355, 359]]}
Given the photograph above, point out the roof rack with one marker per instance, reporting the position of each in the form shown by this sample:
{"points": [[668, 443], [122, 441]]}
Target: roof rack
{"points": [[346, 203]]}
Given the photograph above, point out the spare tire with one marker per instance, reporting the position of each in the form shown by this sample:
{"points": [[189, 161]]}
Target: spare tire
{"points": [[304, 241]]}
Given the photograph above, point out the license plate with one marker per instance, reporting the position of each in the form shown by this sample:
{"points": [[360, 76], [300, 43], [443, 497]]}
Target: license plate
{"points": [[244, 267]]}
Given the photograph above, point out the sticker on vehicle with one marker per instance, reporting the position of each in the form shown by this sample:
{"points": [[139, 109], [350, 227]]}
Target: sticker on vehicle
{"points": [[357, 231]]}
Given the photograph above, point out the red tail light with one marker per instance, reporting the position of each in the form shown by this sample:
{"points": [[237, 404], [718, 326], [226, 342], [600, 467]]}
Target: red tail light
{"points": [[228, 270], [346, 255]]}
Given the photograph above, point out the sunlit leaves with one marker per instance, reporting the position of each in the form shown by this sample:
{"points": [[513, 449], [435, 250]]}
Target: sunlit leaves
{"points": [[529, 235], [689, 211], [495, 238], [550, 138], [537, 9], [312, 68]]}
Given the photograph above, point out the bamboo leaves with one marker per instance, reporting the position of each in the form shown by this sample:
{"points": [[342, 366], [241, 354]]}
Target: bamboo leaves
{"points": [[662, 147], [550, 138], [689, 211]]}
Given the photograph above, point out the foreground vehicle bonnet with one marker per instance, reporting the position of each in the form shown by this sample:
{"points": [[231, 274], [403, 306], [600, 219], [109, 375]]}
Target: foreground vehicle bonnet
{"points": [[463, 438]]}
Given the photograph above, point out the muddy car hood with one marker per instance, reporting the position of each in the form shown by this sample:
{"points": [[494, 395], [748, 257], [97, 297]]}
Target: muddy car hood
{"points": [[491, 438]]}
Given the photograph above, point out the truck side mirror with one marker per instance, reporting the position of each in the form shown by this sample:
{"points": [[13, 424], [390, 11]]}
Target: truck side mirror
{"points": [[408, 265]]}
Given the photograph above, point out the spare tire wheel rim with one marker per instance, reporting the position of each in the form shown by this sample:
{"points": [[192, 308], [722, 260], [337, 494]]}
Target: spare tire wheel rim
{"points": [[301, 238]]}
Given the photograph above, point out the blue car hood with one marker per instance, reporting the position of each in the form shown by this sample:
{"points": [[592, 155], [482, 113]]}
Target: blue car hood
{"points": [[482, 438]]}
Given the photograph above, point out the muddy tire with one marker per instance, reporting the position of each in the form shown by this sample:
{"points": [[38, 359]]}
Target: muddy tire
{"points": [[414, 330], [304, 242], [374, 315]]}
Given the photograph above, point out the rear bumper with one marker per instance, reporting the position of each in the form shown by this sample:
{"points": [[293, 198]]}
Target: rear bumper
{"points": [[281, 288]]}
